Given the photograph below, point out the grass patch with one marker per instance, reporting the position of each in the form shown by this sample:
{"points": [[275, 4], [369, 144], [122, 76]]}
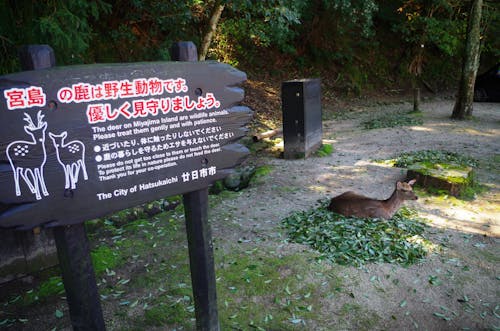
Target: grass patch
{"points": [[51, 287], [104, 257], [393, 120], [355, 241], [434, 156], [291, 288], [262, 171], [169, 314], [324, 150], [273, 146]]}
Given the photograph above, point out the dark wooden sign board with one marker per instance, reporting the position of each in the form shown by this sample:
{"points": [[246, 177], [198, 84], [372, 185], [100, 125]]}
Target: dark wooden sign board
{"points": [[96, 139], [81, 142]]}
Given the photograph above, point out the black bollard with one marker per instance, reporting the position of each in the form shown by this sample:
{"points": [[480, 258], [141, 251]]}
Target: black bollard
{"points": [[302, 123]]}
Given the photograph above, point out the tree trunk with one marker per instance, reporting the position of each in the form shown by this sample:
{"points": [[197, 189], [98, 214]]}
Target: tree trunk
{"points": [[212, 26], [465, 97]]}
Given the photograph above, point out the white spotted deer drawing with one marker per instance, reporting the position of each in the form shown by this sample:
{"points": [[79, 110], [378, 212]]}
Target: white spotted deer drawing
{"points": [[71, 156], [27, 158]]}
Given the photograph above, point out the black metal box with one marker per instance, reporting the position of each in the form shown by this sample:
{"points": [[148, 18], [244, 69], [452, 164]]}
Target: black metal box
{"points": [[302, 125]]}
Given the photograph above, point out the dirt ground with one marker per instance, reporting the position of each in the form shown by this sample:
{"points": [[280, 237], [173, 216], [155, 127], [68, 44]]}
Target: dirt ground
{"points": [[456, 288]]}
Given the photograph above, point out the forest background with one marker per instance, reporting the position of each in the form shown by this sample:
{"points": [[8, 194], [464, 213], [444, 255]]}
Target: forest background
{"points": [[355, 46]]}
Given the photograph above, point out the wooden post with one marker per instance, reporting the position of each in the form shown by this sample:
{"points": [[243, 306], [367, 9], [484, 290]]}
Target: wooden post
{"points": [[201, 256], [71, 241], [78, 276], [184, 51], [201, 260], [35, 57]]}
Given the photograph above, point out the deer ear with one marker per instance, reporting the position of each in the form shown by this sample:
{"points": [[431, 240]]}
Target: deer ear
{"points": [[413, 181], [64, 134], [399, 185]]}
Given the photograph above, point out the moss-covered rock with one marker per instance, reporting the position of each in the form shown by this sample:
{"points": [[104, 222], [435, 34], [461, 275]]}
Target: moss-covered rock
{"points": [[452, 178]]}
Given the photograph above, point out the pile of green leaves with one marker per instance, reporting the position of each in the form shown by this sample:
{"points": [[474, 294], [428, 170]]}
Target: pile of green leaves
{"points": [[432, 156], [392, 120], [355, 241]]}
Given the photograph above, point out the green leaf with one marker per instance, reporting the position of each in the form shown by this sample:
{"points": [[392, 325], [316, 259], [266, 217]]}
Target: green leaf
{"points": [[59, 314], [354, 241], [442, 316]]}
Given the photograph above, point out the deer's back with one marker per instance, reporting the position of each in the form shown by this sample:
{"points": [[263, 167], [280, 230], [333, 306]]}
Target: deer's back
{"points": [[352, 204]]}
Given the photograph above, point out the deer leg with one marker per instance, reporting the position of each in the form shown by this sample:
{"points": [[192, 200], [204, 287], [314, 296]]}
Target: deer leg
{"points": [[16, 180], [39, 173], [77, 171], [74, 175], [67, 171], [27, 180], [84, 169], [33, 185]]}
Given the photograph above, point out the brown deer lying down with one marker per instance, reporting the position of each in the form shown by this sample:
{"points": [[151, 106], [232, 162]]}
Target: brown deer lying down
{"points": [[352, 204]]}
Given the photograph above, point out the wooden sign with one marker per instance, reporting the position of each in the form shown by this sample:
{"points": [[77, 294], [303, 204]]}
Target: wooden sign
{"points": [[80, 142]]}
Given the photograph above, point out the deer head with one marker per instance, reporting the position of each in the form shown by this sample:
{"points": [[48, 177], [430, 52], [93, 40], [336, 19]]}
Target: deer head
{"points": [[32, 127], [58, 139], [405, 190]]}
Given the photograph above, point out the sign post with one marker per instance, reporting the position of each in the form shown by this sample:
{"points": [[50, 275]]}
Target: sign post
{"points": [[81, 142], [201, 257], [78, 276], [201, 260]]}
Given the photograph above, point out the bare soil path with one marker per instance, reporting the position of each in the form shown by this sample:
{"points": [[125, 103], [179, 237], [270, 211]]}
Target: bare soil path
{"points": [[265, 282], [455, 288]]}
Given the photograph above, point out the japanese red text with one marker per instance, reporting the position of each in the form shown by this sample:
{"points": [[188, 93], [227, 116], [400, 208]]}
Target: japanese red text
{"points": [[22, 98]]}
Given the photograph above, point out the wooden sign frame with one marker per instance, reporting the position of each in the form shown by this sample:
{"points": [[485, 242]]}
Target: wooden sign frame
{"points": [[81, 142], [101, 138]]}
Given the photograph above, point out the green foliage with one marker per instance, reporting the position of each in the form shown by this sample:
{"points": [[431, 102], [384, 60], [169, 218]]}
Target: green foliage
{"points": [[263, 171], [491, 31], [392, 120], [355, 241], [251, 25], [356, 13], [140, 30], [404, 160], [50, 287], [435, 23], [164, 314], [257, 278], [304, 35], [65, 25], [324, 150], [104, 258]]}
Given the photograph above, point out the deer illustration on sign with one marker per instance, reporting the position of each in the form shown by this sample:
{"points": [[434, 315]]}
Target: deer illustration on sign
{"points": [[27, 158], [71, 156]]}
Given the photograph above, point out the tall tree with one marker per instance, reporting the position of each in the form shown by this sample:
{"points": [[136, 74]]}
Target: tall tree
{"points": [[212, 27], [464, 101]]}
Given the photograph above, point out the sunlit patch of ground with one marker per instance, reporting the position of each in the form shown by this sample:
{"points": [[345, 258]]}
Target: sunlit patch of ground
{"points": [[481, 216]]}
